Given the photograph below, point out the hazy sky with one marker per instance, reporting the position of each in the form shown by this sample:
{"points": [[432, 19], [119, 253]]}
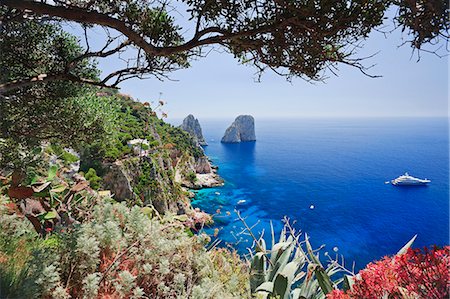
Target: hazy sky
{"points": [[218, 87]]}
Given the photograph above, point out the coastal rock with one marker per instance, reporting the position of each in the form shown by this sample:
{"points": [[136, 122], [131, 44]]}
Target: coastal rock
{"points": [[242, 129], [118, 180], [192, 126], [203, 166], [197, 173]]}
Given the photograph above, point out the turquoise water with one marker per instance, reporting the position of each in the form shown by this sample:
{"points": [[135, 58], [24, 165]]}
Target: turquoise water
{"points": [[340, 167]]}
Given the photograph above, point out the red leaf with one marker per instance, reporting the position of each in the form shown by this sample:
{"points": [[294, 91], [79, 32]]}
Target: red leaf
{"points": [[20, 192]]}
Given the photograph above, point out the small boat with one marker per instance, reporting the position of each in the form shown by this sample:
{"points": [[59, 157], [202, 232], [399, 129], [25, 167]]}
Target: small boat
{"points": [[407, 180]]}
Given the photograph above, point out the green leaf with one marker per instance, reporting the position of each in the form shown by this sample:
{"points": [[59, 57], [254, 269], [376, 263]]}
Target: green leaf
{"points": [[324, 280], [310, 251], [52, 172], [41, 194], [258, 271], [149, 213], [348, 282], [48, 215], [280, 286], [58, 189]]}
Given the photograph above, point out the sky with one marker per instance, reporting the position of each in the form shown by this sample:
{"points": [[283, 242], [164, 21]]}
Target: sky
{"points": [[218, 87]]}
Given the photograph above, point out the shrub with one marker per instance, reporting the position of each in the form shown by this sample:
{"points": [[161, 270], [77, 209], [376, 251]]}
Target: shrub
{"points": [[122, 253], [414, 274], [93, 178], [192, 177]]}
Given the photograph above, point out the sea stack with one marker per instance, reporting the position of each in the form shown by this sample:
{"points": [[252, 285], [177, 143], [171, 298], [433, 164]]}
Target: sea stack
{"points": [[192, 126], [242, 129]]}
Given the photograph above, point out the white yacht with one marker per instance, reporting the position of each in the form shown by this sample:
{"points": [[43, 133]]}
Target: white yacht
{"points": [[407, 180]]}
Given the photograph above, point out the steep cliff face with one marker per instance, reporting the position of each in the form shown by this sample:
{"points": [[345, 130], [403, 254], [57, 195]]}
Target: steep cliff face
{"points": [[242, 129], [147, 180], [192, 126], [151, 162]]}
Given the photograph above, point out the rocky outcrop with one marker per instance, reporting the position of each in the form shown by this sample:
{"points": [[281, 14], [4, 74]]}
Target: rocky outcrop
{"points": [[202, 165], [242, 129], [192, 126], [150, 178], [118, 181], [197, 173]]}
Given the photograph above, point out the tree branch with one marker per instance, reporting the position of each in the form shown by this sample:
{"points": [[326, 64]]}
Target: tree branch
{"points": [[5, 87], [82, 16]]}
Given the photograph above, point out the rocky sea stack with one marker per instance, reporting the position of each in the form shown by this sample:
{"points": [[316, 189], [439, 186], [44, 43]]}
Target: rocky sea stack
{"points": [[242, 129], [192, 126]]}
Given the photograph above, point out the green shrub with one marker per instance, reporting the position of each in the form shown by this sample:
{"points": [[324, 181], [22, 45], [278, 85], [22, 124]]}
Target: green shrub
{"points": [[93, 178], [144, 146], [62, 154], [192, 177]]}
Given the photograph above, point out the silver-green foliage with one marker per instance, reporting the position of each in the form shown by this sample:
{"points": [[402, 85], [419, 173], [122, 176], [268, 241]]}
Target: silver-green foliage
{"points": [[121, 252]]}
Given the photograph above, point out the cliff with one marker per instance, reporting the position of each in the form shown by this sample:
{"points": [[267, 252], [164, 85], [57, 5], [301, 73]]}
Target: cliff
{"points": [[151, 162], [242, 129], [192, 126]]}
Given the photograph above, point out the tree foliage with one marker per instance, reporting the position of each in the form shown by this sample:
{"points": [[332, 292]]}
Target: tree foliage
{"points": [[293, 38], [57, 111]]}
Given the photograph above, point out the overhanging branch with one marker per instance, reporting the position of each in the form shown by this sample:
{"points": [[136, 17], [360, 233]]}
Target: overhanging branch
{"points": [[5, 87]]}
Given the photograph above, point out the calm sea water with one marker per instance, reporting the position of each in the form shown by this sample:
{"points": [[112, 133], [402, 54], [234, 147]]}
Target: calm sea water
{"points": [[339, 167]]}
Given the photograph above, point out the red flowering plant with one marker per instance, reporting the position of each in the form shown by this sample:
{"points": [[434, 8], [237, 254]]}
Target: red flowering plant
{"points": [[413, 274]]}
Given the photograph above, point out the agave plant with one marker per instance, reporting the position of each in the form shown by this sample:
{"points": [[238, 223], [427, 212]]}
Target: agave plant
{"points": [[291, 269]]}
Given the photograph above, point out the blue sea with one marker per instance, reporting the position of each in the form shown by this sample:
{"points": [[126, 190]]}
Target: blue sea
{"points": [[328, 175]]}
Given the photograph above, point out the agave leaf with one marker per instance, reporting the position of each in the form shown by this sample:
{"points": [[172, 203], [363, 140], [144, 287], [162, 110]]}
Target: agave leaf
{"points": [[307, 288], [407, 246], [262, 245], [299, 276], [311, 252], [324, 280], [265, 287], [348, 282], [280, 260], [280, 286], [290, 270], [279, 246], [258, 271], [296, 294], [272, 233], [282, 235]]}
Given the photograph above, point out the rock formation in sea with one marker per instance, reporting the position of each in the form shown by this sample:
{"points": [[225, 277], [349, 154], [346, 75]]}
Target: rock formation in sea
{"points": [[242, 129], [192, 126]]}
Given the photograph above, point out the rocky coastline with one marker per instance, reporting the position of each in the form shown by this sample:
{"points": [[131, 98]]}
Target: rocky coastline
{"points": [[206, 175]]}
